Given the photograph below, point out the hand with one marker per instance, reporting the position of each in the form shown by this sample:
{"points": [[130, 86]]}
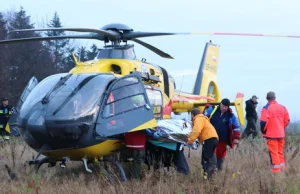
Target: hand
{"points": [[236, 141], [194, 146]]}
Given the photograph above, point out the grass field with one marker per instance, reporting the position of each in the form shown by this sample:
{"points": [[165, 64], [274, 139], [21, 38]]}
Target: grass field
{"points": [[246, 170]]}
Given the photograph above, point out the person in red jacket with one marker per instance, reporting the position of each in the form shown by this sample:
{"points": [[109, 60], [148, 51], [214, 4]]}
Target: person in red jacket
{"points": [[273, 121], [135, 143]]}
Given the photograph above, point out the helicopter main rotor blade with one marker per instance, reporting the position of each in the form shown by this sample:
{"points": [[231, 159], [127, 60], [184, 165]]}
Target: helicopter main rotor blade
{"points": [[131, 34], [152, 48], [244, 34], [88, 36], [112, 35]]}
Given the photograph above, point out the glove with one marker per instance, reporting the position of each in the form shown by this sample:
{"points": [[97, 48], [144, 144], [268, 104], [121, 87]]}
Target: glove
{"points": [[194, 146]]}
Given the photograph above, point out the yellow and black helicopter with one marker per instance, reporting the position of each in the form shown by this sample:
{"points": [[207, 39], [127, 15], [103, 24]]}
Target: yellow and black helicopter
{"points": [[81, 115]]}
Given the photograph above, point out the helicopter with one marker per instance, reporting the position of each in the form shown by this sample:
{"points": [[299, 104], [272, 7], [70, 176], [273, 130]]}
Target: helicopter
{"points": [[75, 116]]}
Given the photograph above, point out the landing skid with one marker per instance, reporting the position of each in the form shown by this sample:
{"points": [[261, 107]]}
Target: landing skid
{"points": [[38, 163]]}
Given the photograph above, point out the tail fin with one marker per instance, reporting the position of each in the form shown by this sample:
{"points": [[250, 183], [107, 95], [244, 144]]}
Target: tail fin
{"points": [[206, 81], [238, 103]]}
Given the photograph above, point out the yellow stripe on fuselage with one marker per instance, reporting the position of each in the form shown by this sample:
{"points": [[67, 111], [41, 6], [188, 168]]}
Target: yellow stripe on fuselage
{"points": [[147, 125], [91, 152]]}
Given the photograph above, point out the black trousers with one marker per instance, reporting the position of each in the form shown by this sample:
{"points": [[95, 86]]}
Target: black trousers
{"points": [[209, 161], [180, 161], [250, 128]]}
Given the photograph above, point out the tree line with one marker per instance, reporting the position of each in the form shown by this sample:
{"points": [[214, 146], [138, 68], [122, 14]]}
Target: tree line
{"points": [[20, 61]]}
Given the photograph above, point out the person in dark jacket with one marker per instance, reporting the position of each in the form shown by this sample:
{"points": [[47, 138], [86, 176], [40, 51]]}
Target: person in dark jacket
{"points": [[251, 117], [5, 113], [227, 126]]}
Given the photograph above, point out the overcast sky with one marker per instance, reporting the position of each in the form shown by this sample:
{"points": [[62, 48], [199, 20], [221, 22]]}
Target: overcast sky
{"points": [[251, 65]]}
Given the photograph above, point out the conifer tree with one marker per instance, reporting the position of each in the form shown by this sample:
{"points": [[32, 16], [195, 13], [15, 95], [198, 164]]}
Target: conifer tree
{"points": [[25, 59], [60, 49], [92, 53], [3, 57]]}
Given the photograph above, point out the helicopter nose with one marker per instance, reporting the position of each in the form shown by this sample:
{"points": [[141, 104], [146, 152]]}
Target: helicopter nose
{"points": [[36, 125]]}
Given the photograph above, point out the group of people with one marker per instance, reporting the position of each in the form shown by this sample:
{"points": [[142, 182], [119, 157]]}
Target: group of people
{"points": [[216, 128], [219, 127]]}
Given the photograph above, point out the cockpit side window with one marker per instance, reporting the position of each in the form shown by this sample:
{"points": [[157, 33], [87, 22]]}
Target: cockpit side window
{"points": [[156, 101]]}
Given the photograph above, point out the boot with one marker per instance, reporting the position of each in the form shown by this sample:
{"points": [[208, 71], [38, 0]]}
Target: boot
{"points": [[220, 162], [254, 134]]}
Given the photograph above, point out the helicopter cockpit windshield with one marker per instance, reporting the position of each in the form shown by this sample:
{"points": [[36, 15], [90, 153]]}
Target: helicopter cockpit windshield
{"points": [[78, 97], [122, 52], [69, 97]]}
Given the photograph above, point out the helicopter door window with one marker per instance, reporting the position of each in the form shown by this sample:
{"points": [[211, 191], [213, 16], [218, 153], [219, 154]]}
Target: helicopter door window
{"points": [[156, 101], [126, 91], [126, 95], [123, 105]]}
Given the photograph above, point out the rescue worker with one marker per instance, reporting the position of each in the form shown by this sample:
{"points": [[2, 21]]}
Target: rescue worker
{"points": [[5, 112], [251, 117], [273, 121], [227, 126], [207, 135], [135, 143]]}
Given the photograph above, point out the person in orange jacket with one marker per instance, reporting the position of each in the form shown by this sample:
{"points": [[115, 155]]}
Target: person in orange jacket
{"points": [[207, 135], [273, 121]]}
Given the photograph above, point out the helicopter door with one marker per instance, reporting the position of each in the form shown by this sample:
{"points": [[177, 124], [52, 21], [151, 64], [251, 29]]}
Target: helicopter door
{"points": [[15, 110], [125, 107]]}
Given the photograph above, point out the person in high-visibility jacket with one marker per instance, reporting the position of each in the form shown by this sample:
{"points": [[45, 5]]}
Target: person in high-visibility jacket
{"points": [[273, 121], [5, 113], [207, 135]]}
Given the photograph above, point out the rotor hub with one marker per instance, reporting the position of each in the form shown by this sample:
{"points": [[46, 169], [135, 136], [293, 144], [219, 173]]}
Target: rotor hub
{"points": [[116, 27]]}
